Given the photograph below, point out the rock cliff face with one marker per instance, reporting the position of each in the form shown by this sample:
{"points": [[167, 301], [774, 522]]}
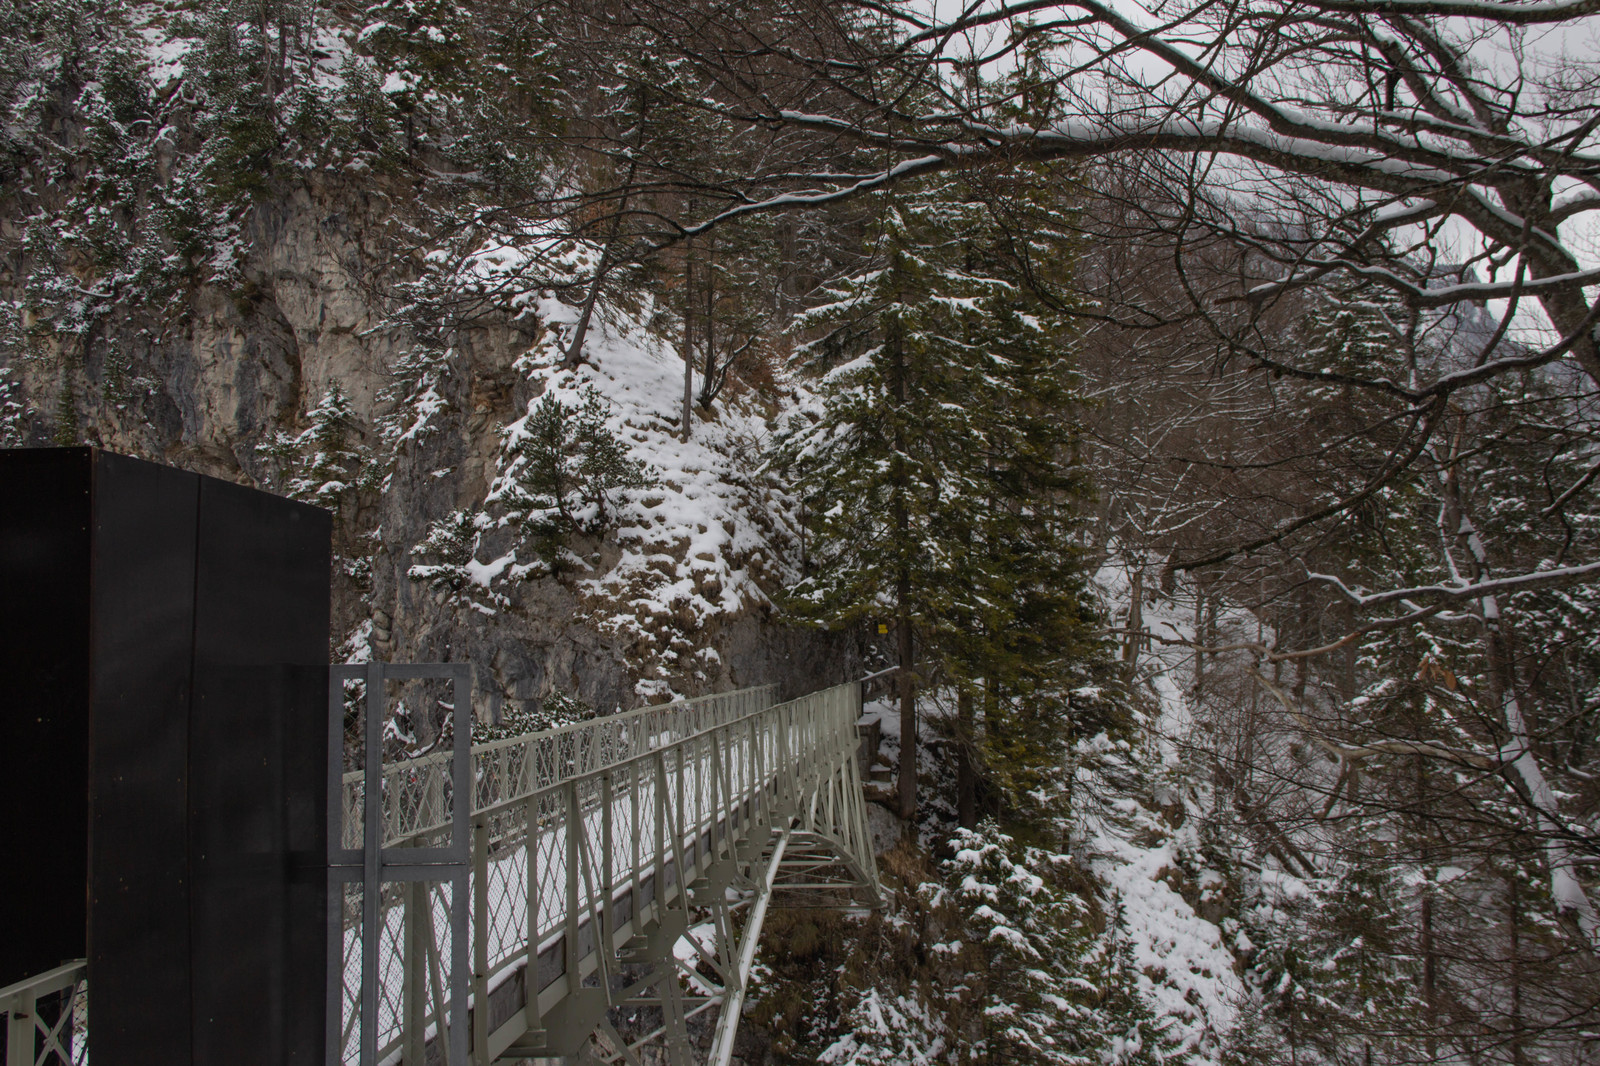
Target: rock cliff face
{"points": [[226, 372]]}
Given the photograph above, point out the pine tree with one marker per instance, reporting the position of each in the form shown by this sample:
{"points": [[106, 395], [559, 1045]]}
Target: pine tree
{"points": [[533, 716], [885, 1030], [1119, 1019], [1018, 933], [1333, 966], [13, 413], [328, 463], [448, 548], [566, 475], [937, 470], [1049, 982]]}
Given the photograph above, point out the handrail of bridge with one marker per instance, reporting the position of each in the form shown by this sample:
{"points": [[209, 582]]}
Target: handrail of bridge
{"points": [[31, 1039], [417, 792]]}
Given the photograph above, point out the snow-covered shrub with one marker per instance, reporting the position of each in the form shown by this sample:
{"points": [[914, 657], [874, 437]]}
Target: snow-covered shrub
{"points": [[1018, 933], [1330, 963], [532, 716], [1051, 981], [567, 474], [327, 463], [13, 415], [883, 1029], [448, 548]]}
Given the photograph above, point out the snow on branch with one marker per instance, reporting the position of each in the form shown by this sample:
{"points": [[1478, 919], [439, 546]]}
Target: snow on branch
{"points": [[1467, 590], [1515, 14]]}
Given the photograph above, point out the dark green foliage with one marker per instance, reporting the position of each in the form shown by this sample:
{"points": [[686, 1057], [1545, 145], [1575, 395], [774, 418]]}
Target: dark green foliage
{"points": [[939, 473], [479, 83], [41, 45], [254, 64], [449, 547], [1000, 955], [328, 463], [519, 717], [367, 120], [67, 429], [13, 413], [1018, 934], [568, 473], [1335, 966], [1051, 981]]}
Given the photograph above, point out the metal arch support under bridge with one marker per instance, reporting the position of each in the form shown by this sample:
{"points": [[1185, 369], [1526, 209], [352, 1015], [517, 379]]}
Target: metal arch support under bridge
{"points": [[605, 886]]}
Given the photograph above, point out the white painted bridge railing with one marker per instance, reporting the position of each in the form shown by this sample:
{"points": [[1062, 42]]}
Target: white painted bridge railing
{"points": [[417, 792], [613, 887]]}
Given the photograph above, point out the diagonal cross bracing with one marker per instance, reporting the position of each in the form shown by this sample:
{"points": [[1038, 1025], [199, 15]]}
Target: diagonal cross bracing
{"points": [[620, 871]]}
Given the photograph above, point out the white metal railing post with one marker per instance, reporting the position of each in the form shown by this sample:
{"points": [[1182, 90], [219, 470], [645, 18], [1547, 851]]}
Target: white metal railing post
{"points": [[20, 1030], [394, 802], [608, 862], [414, 994], [636, 842], [574, 976], [371, 846], [531, 920], [480, 941], [26, 1030]]}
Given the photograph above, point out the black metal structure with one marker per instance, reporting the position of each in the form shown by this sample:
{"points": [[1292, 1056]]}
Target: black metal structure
{"points": [[165, 640]]}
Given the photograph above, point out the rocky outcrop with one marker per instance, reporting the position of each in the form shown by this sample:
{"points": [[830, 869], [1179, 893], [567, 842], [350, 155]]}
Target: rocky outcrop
{"points": [[206, 378]]}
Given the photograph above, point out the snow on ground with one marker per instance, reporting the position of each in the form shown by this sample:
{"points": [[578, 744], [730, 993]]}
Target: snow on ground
{"points": [[1186, 968], [693, 544], [1189, 972]]}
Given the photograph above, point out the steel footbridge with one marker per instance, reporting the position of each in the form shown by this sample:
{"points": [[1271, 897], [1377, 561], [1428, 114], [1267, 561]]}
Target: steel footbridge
{"points": [[601, 894]]}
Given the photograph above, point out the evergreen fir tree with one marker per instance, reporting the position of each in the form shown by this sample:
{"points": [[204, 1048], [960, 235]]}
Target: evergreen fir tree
{"points": [[533, 716], [1333, 967], [1044, 986], [1018, 931], [328, 463], [884, 1030], [448, 548], [13, 413], [1118, 1018], [937, 470], [567, 474]]}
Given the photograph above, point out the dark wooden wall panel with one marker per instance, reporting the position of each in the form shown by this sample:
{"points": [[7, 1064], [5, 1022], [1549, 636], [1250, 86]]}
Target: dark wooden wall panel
{"points": [[168, 636], [44, 704], [141, 636], [258, 732]]}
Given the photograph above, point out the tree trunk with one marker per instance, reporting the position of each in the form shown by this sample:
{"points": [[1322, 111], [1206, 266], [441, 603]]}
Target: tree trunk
{"points": [[1130, 647], [908, 704], [1523, 771], [574, 354], [1347, 667], [902, 527], [688, 336], [966, 772], [708, 372], [1425, 945], [1519, 1055]]}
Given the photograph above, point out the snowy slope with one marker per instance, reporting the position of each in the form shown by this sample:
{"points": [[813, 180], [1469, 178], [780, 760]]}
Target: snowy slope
{"points": [[705, 541], [1189, 969]]}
